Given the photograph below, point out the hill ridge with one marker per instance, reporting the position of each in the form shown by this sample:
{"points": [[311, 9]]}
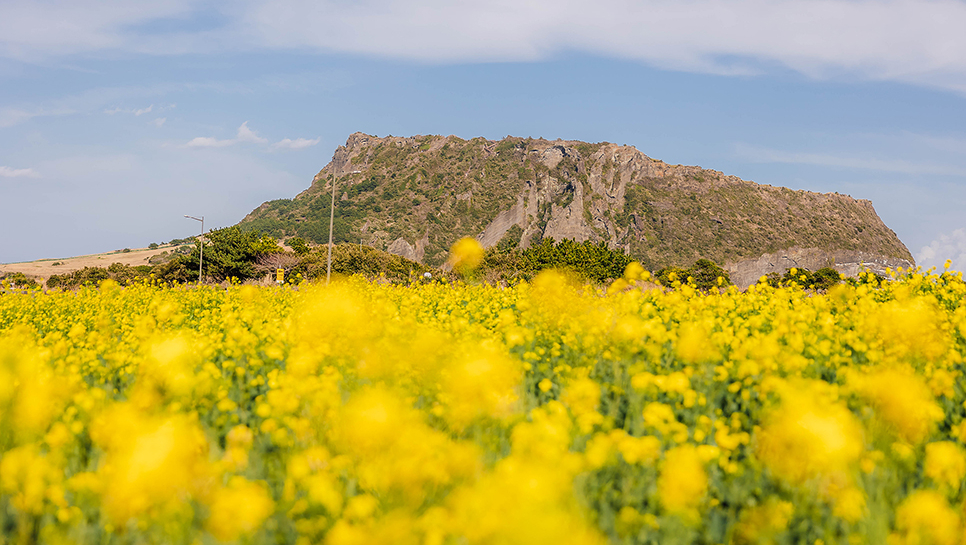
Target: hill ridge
{"points": [[415, 195]]}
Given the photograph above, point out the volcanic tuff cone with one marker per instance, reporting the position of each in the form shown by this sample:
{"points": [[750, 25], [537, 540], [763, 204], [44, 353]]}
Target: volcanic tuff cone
{"points": [[415, 196]]}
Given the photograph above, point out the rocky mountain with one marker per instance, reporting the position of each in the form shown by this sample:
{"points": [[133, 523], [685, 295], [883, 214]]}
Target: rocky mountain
{"points": [[414, 196]]}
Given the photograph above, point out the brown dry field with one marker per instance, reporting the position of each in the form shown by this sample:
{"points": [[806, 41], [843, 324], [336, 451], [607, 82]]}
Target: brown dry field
{"points": [[45, 267]]}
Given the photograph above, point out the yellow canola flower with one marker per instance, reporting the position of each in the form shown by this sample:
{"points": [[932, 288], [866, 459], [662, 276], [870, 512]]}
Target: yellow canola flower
{"points": [[634, 271], [481, 383], [548, 435], [466, 254], [168, 371], [384, 413], [809, 435], [582, 397], [909, 328], [902, 402], [763, 523], [26, 475], [237, 443], [520, 502], [238, 509], [683, 483], [603, 446], [945, 463], [924, 518], [153, 468], [396, 527], [850, 504], [395, 450], [694, 344], [645, 449]]}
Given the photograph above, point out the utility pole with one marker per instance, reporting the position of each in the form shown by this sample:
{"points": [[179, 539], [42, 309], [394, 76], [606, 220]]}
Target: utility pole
{"points": [[201, 242], [328, 267]]}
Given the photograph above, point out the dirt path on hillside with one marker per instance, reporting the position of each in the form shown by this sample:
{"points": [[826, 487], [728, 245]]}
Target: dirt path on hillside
{"points": [[45, 267]]}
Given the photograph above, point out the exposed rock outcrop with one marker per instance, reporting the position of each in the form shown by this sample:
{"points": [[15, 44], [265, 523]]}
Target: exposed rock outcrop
{"points": [[850, 263]]}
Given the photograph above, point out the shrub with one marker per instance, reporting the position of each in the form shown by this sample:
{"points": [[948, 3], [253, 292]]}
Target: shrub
{"points": [[175, 271], [19, 280], [825, 278], [704, 274], [669, 275], [822, 279]]}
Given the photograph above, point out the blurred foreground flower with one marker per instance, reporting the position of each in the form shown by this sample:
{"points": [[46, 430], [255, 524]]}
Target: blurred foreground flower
{"points": [[465, 255]]}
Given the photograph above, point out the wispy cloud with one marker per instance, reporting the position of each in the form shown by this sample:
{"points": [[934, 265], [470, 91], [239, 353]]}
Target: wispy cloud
{"points": [[951, 246], [767, 155], [7, 172], [244, 134], [298, 143], [159, 121], [208, 142], [892, 40], [13, 116], [136, 111]]}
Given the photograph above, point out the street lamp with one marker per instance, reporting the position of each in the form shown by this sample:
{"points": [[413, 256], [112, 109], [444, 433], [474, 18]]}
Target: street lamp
{"points": [[201, 242]]}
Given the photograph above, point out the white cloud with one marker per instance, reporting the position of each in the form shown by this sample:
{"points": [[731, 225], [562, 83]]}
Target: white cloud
{"points": [[247, 135], [7, 172], [72, 27], [298, 143], [904, 40], [143, 110], [208, 142], [951, 246], [914, 41], [244, 134], [767, 155], [159, 121]]}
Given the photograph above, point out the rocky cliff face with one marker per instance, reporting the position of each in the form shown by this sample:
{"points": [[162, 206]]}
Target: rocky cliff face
{"points": [[414, 196]]}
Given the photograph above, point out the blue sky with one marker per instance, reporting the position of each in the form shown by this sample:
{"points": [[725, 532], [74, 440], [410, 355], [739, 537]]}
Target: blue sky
{"points": [[117, 118]]}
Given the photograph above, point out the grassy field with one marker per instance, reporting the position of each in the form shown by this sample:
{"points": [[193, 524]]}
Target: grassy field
{"points": [[443, 413]]}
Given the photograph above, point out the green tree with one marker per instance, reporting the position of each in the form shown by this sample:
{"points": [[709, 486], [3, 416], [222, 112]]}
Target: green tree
{"points": [[232, 252], [298, 245]]}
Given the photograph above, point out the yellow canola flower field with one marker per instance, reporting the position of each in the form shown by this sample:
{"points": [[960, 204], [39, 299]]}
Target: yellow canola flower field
{"points": [[441, 413]]}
